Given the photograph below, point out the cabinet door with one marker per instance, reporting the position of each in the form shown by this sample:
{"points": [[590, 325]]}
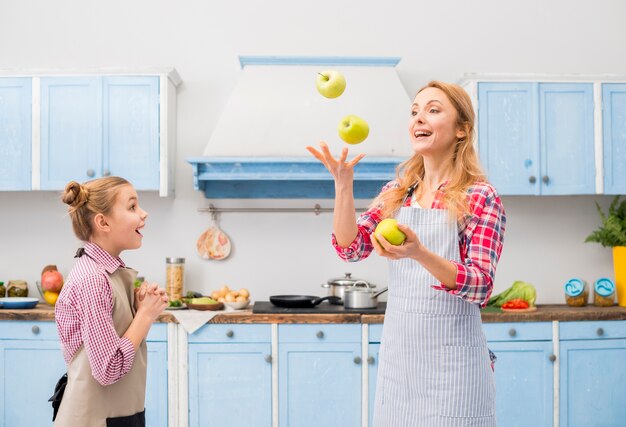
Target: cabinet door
{"points": [[614, 137], [156, 385], [71, 130], [30, 370], [15, 133], [230, 385], [319, 384], [131, 129], [372, 362], [524, 383], [593, 378], [567, 138], [508, 137]]}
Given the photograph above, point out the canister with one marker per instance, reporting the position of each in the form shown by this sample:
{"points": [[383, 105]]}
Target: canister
{"points": [[603, 292], [174, 277], [576, 292]]}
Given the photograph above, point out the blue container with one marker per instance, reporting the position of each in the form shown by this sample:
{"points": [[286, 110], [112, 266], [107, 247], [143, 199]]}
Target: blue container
{"points": [[576, 292], [603, 292]]}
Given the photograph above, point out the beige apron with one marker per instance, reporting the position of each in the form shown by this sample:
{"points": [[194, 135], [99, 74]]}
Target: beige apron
{"points": [[86, 403]]}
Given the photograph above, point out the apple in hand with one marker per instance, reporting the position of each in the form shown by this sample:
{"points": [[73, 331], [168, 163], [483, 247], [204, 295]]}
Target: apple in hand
{"points": [[330, 84], [353, 129], [388, 228]]}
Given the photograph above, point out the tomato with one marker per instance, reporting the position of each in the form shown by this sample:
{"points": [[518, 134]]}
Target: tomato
{"points": [[516, 303]]}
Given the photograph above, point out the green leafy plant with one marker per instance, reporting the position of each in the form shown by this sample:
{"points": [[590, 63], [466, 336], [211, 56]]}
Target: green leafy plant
{"points": [[612, 232]]}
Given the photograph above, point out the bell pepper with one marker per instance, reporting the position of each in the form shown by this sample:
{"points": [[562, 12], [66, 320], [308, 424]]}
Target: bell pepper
{"points": [[516, 303]]}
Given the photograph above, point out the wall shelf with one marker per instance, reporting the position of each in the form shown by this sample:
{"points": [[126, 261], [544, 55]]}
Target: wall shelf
{"points": [[284, 177]]}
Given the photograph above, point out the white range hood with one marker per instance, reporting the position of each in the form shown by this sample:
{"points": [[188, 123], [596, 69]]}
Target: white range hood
{"points": [[275, 109]]}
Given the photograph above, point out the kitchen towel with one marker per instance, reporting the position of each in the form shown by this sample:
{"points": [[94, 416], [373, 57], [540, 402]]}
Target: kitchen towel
{"points": [[192, 320]]}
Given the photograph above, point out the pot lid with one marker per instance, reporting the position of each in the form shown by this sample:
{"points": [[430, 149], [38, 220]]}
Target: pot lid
{"points": [[347, 280]]}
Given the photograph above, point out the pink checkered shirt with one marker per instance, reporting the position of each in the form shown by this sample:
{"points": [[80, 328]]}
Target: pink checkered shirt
{"points": [[84, 316], [480, 241]]}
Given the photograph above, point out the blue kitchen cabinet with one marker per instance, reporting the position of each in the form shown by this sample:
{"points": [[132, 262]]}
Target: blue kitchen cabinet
{"points": [[523, 372], [373, 349], [537, 138], [99, 126], [614, 137], [15, 133], [31, 362], [593, 373], [319, 375], [230, 376], [156, 376]]}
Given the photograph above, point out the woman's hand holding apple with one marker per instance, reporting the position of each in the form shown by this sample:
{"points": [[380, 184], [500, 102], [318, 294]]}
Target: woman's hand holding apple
{"points": [[341, 170], [410, 248]]}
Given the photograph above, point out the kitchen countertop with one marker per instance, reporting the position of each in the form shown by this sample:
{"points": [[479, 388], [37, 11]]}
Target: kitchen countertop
{"points": [[544, 313]]}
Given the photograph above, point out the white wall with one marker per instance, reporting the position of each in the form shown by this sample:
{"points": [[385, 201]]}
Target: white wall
{"points": [[280, 253]]}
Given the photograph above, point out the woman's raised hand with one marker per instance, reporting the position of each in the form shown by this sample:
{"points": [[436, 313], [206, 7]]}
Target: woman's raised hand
{"points": [[341, 170]]}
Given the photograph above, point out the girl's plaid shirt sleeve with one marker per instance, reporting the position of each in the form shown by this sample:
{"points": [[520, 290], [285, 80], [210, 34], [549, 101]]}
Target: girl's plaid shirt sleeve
{"points": [[480, 242]]}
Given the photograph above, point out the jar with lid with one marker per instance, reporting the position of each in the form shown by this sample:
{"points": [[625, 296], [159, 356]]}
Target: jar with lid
{"points": [[576, 292], [174, 277], [603, 292], [3, 290]]}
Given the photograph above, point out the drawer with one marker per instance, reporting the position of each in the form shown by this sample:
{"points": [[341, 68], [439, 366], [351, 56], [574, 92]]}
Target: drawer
{"points": [[375, 333], [518, 331], [592, 330], [319, 333], [232, 333], [28, 330], [158, 332]]}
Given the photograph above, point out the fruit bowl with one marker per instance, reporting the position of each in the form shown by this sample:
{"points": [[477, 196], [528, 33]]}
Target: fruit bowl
{"points": [[238, 305], [51, 299], [215, 306]]}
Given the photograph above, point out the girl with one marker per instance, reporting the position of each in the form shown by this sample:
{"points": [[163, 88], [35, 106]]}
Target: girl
{"points": [[101, 325], [434, 365]]}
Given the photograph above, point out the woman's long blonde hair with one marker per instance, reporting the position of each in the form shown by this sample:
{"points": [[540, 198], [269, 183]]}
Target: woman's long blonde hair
{"points": [[466, 169]]}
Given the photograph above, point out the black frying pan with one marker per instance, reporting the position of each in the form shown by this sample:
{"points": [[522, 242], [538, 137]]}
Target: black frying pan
{"points": [[300, 301]]}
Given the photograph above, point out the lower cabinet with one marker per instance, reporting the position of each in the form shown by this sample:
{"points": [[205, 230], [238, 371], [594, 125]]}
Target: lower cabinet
{"points": [[373, 347], [156, 377], [319, 375], [593, 373], [523, 372], [230, 376]]}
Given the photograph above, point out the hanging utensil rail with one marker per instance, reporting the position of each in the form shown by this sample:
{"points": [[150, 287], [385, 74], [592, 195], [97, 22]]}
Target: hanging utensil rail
{"points": [[317, 209]]}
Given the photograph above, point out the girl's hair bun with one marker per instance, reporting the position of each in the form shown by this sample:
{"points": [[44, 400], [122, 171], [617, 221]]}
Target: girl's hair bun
{"points": [[75, 194]]}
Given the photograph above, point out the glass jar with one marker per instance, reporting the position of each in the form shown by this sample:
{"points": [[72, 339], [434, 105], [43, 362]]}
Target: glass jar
{"points": [[17, 288], [3, 290], [174, 277], [603, 292], [576, 293]]}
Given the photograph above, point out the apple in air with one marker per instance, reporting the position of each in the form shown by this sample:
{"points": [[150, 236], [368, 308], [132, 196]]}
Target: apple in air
{"points": [[330, 83], [353, 129], [388, 228]]}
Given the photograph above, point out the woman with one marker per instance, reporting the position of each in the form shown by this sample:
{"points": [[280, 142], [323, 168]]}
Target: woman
{"points": [[434, 366], [101, 325]]}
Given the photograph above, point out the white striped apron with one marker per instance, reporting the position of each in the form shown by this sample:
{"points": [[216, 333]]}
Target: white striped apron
{"points": [[434, 368]]}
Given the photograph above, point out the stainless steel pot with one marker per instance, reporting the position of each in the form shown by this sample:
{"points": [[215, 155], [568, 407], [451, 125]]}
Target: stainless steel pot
{"points": [[336, 287], [361, 295]]}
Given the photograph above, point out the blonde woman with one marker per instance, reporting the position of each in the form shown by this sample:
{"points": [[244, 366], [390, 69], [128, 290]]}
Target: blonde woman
{"points": [[434, 365]]}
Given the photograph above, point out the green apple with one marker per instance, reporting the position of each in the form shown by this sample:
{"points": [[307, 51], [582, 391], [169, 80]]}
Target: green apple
{"points": [[353, 129], [330, 83], [388, 228]]}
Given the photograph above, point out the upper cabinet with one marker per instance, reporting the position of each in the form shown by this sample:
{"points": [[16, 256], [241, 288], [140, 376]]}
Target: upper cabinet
{"points": [[90, 126], [614, 137], [15, 134], [537, 138]]}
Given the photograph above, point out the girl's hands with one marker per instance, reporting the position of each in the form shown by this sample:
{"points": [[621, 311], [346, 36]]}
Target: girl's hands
{"points": [[342, 171], [410, 248], [150, 300]]}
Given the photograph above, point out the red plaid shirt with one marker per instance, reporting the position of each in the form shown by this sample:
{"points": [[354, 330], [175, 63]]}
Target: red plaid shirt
{"points": [[84, 316], [480, 241]]}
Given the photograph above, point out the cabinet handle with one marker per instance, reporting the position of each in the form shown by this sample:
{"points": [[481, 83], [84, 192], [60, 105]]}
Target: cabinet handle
{"points": [[268, 358], [370, 360], [552, 357], [230, 334], [320, 334], [106, 173], [91, 173], [545, 179], [532, 179], [357, 360], [35, 329], [600, 332], [512, 332]]}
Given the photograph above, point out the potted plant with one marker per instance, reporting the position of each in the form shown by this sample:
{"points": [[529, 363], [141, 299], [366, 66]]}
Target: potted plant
{"points": [[612, 233]]}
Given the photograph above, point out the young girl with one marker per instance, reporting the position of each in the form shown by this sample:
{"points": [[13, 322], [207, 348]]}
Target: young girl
{"points": [[102, 325], [434, 365]]}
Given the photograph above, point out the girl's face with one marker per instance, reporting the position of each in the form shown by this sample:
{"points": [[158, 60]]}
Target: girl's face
{"points": [[126, 219], [432, 126]]}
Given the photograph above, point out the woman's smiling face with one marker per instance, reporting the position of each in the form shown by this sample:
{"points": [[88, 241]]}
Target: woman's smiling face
{"points": [[433, 124]]}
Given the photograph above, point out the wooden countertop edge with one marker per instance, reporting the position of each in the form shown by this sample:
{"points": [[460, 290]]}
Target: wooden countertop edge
{"points": [[545, 313]]}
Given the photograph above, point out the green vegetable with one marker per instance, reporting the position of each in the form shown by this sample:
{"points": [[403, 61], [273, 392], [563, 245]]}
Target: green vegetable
{"points": [[519, 289], [176, 303], [139, 281], [613, 230]]}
